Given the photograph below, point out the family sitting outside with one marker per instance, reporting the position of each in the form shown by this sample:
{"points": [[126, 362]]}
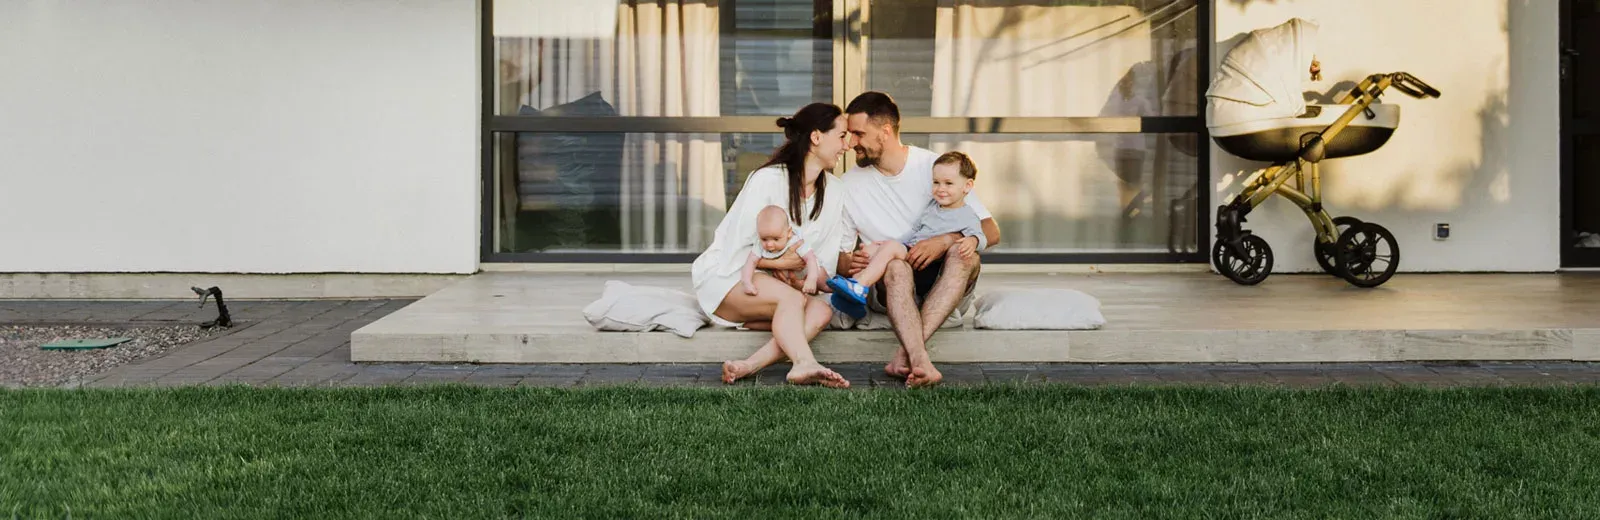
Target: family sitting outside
{"points": [[899, 233]]}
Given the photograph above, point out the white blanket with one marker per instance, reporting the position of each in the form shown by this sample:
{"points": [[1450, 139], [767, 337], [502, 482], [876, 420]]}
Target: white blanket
{"points": [[1038, 309], [628, 308]]}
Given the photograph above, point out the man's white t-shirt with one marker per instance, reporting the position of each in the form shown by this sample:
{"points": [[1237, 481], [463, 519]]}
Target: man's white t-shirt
{"points": [[884, 207]]}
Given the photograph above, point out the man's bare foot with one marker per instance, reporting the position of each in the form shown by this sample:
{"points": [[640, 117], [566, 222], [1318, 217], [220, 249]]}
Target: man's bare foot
{"points": [[734, 370], [900, 367], [815, 374], [924, 376]]}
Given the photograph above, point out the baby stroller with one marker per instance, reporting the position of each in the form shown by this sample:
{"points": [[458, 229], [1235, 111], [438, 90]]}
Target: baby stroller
{"points": [[1256, 110]]}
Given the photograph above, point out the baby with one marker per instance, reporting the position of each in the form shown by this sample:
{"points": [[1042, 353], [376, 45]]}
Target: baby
{"points": [[953, 177], [774, 237]]}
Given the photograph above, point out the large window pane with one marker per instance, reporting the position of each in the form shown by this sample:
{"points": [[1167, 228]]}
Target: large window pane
{"points": [[588, 192], [781, 56], [1084, 193], [1034, 58], [666, 58], [617, 192]]}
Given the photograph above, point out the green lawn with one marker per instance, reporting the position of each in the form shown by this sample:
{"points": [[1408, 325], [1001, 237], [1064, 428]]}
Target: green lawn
{"points": [[780, 452]]}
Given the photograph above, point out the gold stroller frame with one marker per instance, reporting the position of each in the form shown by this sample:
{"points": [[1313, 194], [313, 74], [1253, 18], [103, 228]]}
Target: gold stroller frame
{"points": [[1350, 254]]}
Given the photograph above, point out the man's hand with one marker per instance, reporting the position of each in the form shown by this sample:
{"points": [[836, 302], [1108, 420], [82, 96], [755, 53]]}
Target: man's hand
{"points": [[926, 251], [968, 247], [858, 261], [790, 261]]}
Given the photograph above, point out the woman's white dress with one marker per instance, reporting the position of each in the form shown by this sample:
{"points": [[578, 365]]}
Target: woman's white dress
{"points": [[716, 271]]}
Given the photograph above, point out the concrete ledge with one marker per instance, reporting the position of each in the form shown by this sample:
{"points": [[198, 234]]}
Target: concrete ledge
{"points": [[967, 345], [1586, 345], [158, 286], [1152, 318], [602, 268]]}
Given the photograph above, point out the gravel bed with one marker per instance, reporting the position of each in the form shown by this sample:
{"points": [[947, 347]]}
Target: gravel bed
{"points": [[24, 364]]}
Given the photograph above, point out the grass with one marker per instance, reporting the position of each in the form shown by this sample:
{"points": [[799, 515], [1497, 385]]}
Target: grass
{"points": [[786, 453]]}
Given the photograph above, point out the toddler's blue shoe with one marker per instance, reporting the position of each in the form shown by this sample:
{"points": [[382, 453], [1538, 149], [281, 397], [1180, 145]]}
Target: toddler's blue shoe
{"points": [[848, 306], [850, 288]]}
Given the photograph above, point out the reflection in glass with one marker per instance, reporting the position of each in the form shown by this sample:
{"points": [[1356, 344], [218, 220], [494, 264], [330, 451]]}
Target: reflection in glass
{"points": [[1084, 193], [587, 192], [667, 192], [1035, 58], [663, 58]]}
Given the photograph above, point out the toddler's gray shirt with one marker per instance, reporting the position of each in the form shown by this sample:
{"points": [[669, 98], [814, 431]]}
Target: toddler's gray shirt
{"points": [[936, 221]]}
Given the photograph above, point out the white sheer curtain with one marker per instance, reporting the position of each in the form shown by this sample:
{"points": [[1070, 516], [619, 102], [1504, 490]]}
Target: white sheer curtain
{"points": [[1003, 58], [662, 61]]}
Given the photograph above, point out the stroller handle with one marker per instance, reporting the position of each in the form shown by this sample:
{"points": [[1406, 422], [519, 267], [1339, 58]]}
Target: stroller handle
{"points": [[1412, 86]]}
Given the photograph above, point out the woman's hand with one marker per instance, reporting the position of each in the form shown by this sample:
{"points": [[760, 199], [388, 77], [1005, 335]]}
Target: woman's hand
{"points": [[790, 261], [789, 278]]}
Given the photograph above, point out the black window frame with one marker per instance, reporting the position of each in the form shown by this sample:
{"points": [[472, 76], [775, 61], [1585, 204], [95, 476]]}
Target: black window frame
{"points": [[493, 124]]}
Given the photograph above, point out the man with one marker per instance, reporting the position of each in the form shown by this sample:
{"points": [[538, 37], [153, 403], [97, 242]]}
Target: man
{"points": [[885, 192]]}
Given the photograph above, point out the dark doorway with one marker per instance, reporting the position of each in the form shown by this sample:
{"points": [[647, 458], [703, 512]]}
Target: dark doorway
{"points": [[1580, 133]]}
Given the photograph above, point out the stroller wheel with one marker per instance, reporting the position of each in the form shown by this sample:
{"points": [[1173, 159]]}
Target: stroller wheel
{"points": [[1367, 255], [1251, 267], [1325, 252]]}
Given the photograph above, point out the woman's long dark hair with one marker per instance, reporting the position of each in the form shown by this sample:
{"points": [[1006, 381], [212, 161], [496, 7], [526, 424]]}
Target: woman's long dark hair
{"points": [[815, 117]]}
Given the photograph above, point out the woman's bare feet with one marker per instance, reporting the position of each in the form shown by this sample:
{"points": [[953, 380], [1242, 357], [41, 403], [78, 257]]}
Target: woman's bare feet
{"points": [[734, 370], [814, 374]]}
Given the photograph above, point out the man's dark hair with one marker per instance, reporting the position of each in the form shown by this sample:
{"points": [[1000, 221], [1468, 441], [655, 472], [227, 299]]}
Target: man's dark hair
{"points": [[878, 107]]}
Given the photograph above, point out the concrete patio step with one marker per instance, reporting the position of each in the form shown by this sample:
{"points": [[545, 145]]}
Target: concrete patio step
{"points": [[1152, 318]]}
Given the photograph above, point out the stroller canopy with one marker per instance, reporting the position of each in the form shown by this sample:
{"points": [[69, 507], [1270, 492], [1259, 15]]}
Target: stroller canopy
{"points": [[1261, 77]]}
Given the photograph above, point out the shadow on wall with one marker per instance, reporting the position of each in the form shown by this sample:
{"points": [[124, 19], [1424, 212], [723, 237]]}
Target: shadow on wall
{"points": [[1468, 179], [1485, 177]]}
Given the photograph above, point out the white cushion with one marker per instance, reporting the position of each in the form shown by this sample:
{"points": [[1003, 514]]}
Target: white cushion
{"points": [[1038, 309], [629, 308]]}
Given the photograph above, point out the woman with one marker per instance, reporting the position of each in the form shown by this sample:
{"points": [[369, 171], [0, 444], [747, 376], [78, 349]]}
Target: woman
{"points": [[796, 179]]}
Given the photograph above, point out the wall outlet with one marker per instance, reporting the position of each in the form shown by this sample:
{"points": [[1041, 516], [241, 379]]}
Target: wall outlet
{"points": [[1441, 231]]}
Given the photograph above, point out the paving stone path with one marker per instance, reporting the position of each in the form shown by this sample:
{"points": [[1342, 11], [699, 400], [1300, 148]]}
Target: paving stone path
{"points": [[307, 343]]}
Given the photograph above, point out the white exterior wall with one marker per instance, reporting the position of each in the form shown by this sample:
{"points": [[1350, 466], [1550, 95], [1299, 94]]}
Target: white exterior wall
{"points": [[273, 136], [1484, 157], [253, 136]]}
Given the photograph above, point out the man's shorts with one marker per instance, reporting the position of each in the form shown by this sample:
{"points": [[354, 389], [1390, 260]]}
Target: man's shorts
{"points": [[923, 281]]}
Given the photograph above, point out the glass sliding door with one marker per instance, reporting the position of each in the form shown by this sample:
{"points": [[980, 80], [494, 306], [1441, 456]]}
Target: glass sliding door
{"points": [[620, 131]]}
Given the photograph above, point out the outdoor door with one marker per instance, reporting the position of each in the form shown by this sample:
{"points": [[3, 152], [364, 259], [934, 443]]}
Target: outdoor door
{"points": [[1580, 133]]}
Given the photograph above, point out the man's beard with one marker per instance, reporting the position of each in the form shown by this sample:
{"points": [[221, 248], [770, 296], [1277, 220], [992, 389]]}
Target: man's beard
{"points": [[863, 160]]}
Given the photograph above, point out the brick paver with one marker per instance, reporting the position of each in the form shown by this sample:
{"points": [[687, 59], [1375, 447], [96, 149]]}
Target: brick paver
{"points": [[306, 343]]}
